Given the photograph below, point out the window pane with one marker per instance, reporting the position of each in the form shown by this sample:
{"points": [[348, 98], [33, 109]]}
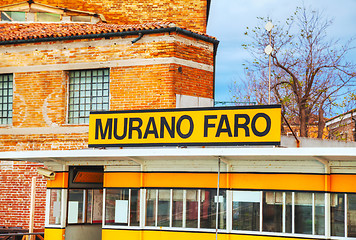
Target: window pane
{"points": [[192, 208], [82, 91], [246, 210], [116, 207], [97, 209], [338, 215], [76, 206], [163, 207], [47, 17], [303, 213], [55, 206], [6, 98], [351, 215], [208, 209], [319, 213], [288, 212], [13, 16], [135, 207], [272, 211], [151, 207], [177, 220], [89, 206]]}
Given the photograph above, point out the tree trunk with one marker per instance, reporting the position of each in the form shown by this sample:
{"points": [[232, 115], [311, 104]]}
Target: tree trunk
{"points": [[303, 122], [321, 123]]}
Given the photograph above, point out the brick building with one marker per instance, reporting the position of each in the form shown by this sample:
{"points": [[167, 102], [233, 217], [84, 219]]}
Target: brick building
{"points": [[61, 59], [343, 127]]}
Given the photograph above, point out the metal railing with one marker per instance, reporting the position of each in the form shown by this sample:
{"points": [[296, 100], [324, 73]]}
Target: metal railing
{"points": [[22, 236]]}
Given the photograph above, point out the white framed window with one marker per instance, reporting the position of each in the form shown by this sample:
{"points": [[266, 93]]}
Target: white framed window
{"points": [[122, 207], [88, 91]]}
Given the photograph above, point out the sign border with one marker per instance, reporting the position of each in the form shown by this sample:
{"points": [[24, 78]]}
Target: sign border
{"points": [[222, 144]]}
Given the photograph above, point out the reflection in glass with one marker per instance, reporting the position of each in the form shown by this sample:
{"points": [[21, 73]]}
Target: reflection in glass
{"points": [[303, 213], [192, 208], [351, 215], [272, 211], [246, 210], [151, 207], [55, 206], [76, 210], [208, 209], [288, 227], [319, 213], [177, 215], [135, 207], [116, 207], [163, 207], [337, 214]]}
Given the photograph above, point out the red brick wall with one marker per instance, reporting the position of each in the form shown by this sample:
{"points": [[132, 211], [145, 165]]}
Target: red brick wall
{"points": [[40, 98], [188, 14], [15, 191]]}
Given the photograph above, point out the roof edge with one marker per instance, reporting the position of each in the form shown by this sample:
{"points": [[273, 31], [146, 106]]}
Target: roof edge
{"points": [[115, 34]]}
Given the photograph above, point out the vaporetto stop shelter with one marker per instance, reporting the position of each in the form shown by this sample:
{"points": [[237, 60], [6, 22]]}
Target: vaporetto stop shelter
{"points": [[209, 173]]}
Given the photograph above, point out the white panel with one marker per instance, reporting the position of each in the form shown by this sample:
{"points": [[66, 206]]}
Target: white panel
{"points": [[185, 101], [246, 196], [73, 211], [206, 102], [121, 211]]}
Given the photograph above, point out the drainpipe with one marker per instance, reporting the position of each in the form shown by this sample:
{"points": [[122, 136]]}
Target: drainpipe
{"points": [[140, 35]]}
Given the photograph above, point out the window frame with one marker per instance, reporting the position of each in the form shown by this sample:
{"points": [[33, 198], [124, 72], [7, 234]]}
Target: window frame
{"points": [[5, 99], [317, 201], [76, 120]]}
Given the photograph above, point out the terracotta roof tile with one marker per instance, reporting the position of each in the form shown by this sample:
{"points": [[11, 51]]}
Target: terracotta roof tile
{"points": [[26, 31]]}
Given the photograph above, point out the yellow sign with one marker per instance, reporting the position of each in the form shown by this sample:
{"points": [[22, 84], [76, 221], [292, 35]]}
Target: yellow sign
{"points": [[248, 125]]}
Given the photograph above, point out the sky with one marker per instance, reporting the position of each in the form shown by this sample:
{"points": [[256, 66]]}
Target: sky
{"points": [[229, 18]]}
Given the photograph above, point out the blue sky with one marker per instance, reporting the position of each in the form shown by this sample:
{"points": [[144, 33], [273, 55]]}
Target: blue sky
{"points": [[229, 18]]}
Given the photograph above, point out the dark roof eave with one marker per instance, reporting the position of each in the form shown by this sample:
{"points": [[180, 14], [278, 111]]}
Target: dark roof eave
{"points": [[114, 34]]}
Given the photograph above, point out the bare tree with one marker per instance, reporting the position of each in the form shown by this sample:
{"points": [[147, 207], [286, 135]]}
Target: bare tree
{"points": [[309, 71]]}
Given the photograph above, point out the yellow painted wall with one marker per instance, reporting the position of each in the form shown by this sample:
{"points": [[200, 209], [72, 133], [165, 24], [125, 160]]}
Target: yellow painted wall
{"points": [[109, 234], [60, 181], [257, 181], [54, 234]]}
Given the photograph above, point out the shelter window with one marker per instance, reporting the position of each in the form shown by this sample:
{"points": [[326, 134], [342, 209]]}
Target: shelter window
{"points": [[122, 207], [246, 210], [184, 208], [85, 206], [303, 213], [6, 98], [343, 215], [208, 206], [88, 90], [272, 211], [283, 212]]}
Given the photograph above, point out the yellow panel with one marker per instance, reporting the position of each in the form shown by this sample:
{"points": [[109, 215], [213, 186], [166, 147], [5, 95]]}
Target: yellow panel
{"points": [[343, 183], [258, 181], [302, 182], [233, 125], [184, 180], [122, 179], [170, 235], [54, 234], [61, 181]]}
